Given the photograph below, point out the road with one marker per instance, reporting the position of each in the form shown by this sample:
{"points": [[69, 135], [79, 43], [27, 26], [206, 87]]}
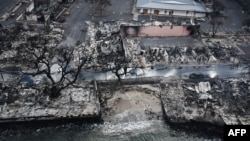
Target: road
{"points": [[120, 10], [236, 17], [75, 22], [80, 12], [6, 5], [220, 70]]}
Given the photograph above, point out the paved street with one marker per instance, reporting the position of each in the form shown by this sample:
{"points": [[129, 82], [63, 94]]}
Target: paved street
{"points": [[220, 70], [80, 12], [75, 22], [236, 17], [5, 5], [120, 10]]}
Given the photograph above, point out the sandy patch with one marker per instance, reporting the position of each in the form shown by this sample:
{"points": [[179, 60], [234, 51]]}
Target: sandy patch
{"points": [[134, 103]]}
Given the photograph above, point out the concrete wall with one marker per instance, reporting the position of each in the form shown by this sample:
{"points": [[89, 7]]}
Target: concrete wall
{"points": [[154, 31], [164, 31]]}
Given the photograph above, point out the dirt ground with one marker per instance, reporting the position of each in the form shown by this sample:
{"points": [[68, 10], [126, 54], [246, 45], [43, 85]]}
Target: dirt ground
{"points": [[140, 100]]}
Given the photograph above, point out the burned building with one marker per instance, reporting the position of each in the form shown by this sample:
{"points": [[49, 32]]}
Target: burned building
{"points": [[176, 8]]}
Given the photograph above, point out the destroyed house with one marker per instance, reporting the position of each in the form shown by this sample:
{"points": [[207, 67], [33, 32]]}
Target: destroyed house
{"points": [[173, 8]]}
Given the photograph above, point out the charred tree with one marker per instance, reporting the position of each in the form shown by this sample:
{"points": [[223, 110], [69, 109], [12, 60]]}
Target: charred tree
{"points": [[216, 22], [98, 5], [54, 63], [93, 5], [216, 18], [120, 68], [103, 4]]}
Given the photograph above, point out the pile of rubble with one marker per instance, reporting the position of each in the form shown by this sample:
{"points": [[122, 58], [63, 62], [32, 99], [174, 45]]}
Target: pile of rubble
{"points": [[172, 55], [105, 41], [21, 103], [216, 101], [238, 43]]}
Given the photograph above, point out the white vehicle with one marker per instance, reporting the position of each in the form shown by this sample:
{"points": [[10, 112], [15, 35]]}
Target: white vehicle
{"points": [[200, 19]]}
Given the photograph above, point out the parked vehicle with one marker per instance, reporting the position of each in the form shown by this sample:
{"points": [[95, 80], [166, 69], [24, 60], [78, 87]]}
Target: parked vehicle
{"points": [[201, 19], [198, 76]]}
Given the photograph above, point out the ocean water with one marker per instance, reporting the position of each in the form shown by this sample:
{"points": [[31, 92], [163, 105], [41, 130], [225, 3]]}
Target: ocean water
{"points": [[153, 130]]}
